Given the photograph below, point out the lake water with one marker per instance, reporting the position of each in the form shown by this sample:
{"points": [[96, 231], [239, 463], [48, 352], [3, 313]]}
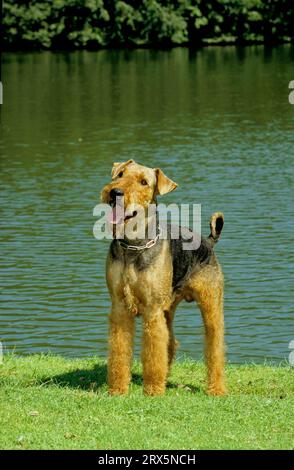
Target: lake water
{"points": [[218, 121]]}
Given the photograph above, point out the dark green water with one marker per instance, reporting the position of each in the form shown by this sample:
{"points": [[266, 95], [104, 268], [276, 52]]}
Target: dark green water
{"points": [[218, 121]]}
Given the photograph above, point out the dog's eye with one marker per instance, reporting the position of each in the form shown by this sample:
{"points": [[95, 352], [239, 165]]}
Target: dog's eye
{"points": [[120, 174], [144, 182]]}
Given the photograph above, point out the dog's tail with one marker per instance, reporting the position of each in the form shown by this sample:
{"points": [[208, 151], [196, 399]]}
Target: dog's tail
{"points": [[216, 226]]}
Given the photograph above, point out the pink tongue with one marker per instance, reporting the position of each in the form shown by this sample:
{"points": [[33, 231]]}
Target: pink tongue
{"points": [[115, 216]]}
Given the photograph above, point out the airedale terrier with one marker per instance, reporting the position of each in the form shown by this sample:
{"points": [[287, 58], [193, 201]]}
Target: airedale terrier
{"points": [[150, 277]]}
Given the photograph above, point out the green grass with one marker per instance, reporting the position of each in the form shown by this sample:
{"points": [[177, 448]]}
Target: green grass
{"points": [[49, 402]]}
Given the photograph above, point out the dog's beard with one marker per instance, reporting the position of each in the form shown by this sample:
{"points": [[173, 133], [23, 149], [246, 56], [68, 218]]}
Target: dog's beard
{"points": [[119, 215], [130, 224]]}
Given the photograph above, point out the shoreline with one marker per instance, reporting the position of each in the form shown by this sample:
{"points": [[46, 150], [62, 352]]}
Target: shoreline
{"points": [[152, 47]]}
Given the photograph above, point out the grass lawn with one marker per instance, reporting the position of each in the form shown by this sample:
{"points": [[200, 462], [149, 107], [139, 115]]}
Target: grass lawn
{"points": [[49, 402]]}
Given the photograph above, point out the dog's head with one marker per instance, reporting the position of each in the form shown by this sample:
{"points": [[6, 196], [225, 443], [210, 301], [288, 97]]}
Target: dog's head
{"points": [[134, 186]]}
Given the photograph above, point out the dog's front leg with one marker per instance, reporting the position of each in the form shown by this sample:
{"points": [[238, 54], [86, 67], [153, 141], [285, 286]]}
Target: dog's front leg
{"points": [[121, 326], [155, 352]]}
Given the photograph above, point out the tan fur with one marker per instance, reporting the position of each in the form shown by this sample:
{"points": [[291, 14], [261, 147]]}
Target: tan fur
{"points": [[149, 293], [207, 289]]}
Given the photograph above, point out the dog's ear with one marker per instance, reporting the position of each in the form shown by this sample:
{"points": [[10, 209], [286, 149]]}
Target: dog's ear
{"points": [[118, 167], [164, 184]]}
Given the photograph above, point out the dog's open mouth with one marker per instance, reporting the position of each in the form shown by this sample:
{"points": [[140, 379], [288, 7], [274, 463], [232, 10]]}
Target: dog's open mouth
{"points": [[119, 215]]}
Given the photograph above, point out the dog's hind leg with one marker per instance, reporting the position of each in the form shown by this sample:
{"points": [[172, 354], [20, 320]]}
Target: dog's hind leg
{"points": [[208, 287], [172, 342], [122, 326], [154, 353]]}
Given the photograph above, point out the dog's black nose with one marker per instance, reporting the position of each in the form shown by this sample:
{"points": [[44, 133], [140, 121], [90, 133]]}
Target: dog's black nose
{"points": [[116, 192]]}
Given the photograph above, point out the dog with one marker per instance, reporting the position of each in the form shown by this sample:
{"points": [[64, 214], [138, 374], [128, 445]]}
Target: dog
{"points": [[150, 277]]}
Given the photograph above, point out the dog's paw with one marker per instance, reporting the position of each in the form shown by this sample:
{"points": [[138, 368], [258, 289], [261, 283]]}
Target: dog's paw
{"points": [[118, 391], [153, 390], [217, 390]]}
